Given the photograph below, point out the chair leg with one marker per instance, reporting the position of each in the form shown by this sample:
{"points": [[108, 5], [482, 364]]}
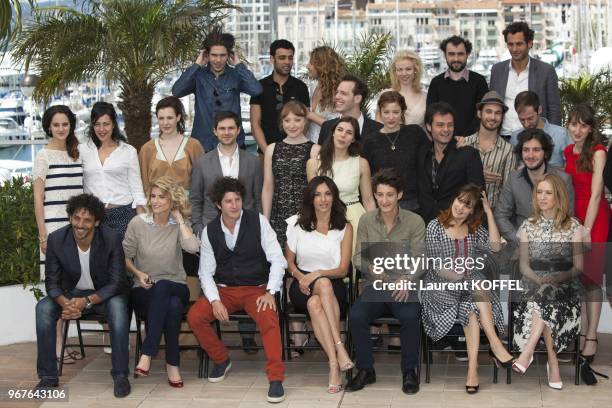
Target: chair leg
{"points": [[78, 325], [287, 329], [577, 361], [206, 363], [138, 343], [427, 361], [64, 337]]}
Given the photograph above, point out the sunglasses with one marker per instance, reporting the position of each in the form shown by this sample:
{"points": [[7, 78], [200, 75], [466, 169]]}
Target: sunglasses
{"points": [[279, 100]]}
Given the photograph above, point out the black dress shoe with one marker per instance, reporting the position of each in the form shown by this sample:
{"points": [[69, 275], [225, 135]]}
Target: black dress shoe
{"points": [[363, 378], [249, 345], [121, 387], [411, 383]]}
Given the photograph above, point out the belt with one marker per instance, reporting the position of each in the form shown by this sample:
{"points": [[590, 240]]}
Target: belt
{"points": [[551, 265], [351, 203], [110, 206]]}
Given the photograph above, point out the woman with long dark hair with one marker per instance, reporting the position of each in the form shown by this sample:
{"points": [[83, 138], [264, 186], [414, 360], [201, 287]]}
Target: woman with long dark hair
{"points": [[110, 168], [458, 234], [58, 175], [585, 160], [318, 253], [172, 153], [339, 159]]}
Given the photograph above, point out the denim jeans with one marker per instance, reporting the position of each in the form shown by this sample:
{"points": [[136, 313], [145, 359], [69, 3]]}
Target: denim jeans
{"points": [[116, 311]]}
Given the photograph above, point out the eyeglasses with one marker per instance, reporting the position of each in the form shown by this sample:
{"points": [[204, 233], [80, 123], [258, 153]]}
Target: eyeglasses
{"points": [[216, 95], [279, 99]]}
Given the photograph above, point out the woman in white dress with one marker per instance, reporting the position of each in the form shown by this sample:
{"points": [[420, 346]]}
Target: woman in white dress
{"points": [[57, 175], [328, 68], [406, 72], [318, 253]]}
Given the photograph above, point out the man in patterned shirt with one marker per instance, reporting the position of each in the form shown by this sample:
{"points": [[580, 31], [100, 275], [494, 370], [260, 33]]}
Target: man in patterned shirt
{"points": [[498, 159]]}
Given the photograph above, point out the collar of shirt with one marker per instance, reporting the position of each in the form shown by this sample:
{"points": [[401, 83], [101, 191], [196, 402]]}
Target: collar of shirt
{"points": [[360, 120], [289, 83], [226, 230], [474, 141], [381, 220], [525, 174], [526, 68], [464, 75], [233, 158]]}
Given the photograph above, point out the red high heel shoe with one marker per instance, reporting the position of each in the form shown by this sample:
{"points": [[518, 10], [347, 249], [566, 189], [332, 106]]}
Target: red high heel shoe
{"points": [[175, 384], [139, 372]]}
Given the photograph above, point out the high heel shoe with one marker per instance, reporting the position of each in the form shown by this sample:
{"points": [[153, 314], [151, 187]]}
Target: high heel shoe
{"points": [[334, 388], [499, 363], [590, 357], [519, 369], [176, 384], [139, 372], [472, 389], [553, 385], [348, 365]]}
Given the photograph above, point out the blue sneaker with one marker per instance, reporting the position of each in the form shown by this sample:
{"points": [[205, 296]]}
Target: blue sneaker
{"points": [[276, 393], [219, 371]]}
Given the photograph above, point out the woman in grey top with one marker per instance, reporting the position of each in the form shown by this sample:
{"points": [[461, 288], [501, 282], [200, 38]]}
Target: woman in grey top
{"points": [[152, 245]]}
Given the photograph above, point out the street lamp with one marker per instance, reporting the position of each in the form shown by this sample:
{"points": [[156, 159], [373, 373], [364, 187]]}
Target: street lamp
{"points": [[27, 85]]}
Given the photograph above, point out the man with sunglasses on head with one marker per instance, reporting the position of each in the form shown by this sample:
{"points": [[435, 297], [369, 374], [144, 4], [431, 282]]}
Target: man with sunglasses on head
{"points": [[216, 78], [279, 88]]}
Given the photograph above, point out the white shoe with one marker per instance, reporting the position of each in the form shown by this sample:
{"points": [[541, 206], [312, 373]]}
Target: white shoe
{"points": [[553, 385], [108, 350]]}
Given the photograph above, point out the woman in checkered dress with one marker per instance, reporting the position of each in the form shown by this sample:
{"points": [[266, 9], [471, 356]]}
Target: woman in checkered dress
{"points": [[454, 237]]}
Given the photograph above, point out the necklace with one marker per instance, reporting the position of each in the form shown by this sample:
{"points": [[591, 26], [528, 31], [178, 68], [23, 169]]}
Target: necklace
{"points": [[394, 139]]}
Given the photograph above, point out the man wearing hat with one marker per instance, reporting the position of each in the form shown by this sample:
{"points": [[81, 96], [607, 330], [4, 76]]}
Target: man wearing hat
{"points": [[498, 159]]}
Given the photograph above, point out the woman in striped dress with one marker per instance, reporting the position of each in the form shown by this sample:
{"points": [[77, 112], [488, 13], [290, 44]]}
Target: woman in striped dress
{"points": [[57, 175]]}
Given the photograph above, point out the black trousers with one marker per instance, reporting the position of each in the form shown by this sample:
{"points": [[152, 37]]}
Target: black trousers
{"points": [[409, 315]]}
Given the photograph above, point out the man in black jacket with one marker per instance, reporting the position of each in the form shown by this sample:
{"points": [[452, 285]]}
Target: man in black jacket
{"points": [[85, 273], [349, 94], [442, 167]]}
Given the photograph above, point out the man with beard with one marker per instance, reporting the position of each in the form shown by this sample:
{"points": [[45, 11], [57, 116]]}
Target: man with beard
{"points": [[459, 87], [534, 147], [496, 154], [278, 88]]}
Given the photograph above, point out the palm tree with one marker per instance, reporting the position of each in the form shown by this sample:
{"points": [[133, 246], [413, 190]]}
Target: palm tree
{"points": [[10, 20], [133, 43]]}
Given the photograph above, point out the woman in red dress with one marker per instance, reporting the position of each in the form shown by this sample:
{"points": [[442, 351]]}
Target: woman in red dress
{"points": [[585, 161]]}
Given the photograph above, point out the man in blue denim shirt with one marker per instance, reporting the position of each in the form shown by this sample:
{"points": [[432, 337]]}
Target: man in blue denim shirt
{"points": [[527, 106], [216, 78]]}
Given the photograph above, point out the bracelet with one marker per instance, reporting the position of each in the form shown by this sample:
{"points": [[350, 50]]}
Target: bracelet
{"points": [[42, 239]]}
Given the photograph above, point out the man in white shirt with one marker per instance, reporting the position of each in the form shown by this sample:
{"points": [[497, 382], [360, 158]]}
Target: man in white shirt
{"points": [[241, 268], [226, 160], [523, 73], [350, 93]]}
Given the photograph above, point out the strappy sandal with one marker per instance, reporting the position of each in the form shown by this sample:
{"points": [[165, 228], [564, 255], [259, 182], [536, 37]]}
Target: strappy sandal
{"points": [[590, 357], [334, 388], [347, 365], [68, 359], [74, 354]]}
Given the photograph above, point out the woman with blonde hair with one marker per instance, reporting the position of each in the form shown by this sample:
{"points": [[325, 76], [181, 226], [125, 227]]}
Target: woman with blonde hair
{"points": [[327, 68], [406, 71], [153, 247], [550, 260]]}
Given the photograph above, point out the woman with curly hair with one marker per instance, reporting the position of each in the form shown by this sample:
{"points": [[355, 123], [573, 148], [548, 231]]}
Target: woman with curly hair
{"points": [[153, 247], [585, 160], [327, 68], [406, 71]]}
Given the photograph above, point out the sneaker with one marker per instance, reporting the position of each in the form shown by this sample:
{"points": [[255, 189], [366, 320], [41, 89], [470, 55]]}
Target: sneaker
{"points": [[460, 345], [276, 393], [122, 387], [219, 371]]}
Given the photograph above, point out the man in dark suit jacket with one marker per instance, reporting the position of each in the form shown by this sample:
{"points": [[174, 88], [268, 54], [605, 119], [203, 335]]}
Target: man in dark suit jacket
{"points": [[220, 162], [442, 167], [508, 78], [349, 94], [85, 273]]}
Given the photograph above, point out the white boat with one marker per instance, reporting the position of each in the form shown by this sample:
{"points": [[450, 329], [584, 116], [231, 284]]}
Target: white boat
{"points": [[11, 106], [10, 131], [431, 56], [15, 168]]}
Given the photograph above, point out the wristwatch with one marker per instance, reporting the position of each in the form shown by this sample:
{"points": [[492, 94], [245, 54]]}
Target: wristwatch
{"points": [[272, 292], [88, 303]]}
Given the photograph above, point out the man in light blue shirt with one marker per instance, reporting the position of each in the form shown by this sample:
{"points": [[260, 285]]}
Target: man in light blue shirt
{"points": [[216, 78], [527, 105]]}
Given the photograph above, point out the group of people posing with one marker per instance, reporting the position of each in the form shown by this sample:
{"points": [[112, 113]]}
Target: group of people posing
{"points": [[463, 170]]}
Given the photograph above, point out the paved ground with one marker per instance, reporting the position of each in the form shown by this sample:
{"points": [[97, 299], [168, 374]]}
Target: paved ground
{"points": [[90, 385]]}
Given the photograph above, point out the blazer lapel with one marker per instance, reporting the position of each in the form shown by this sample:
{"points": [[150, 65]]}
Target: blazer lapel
{"points": [[73, 266], [505, 73], [533, 75], [216, 163], [242, 170]]}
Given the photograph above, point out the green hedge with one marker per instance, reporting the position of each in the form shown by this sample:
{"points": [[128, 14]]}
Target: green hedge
{"points": [[18, 236]]}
